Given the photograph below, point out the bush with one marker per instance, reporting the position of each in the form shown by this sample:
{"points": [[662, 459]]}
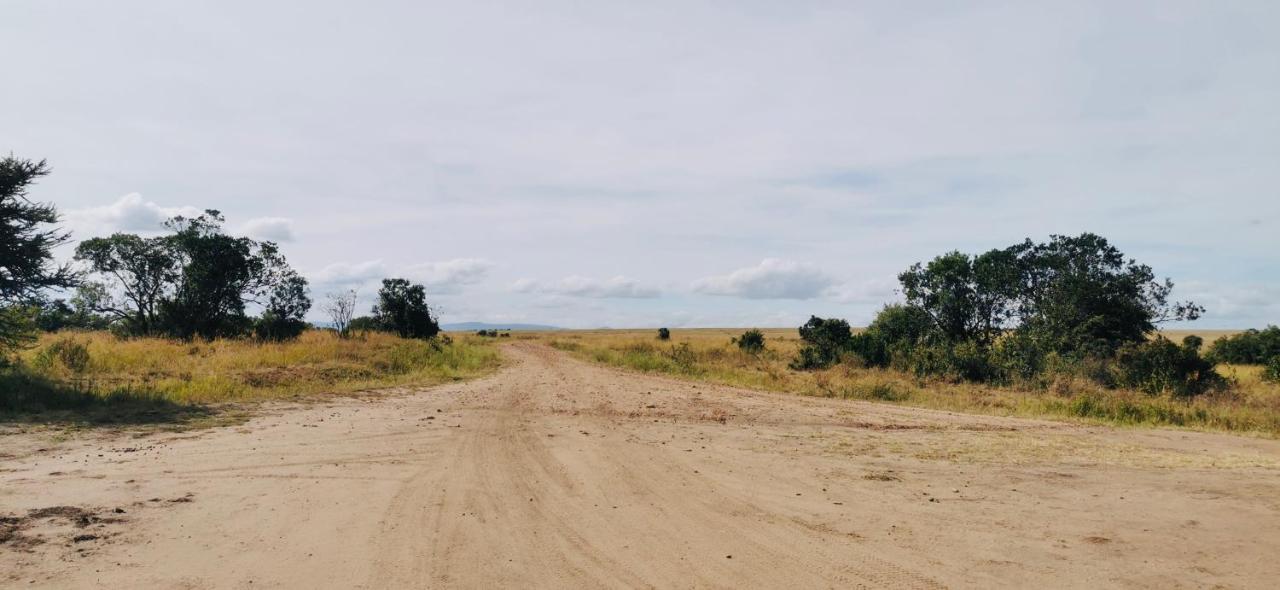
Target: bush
{"points": [[825, 340], [1251, 347], [70, 353], [1018, 356], [894, 333], [364, 323], [966, 361], [751, 341], [273, 328], [1158, 366], [1271, 372], [683, 357], [808, 359], [664, 334]]}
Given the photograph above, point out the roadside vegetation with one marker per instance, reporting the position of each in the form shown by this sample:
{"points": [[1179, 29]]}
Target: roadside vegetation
{"points": [[1250, 404], [1067, 327], [153, 328], [69, 370]]}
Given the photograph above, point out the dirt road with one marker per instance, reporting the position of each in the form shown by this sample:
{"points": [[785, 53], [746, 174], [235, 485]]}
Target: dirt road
{"points": [[555, 473]]}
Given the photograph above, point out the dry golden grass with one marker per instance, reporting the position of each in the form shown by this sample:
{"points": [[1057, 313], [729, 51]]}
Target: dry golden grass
{"points": [[234, 370], [1251, 405]]}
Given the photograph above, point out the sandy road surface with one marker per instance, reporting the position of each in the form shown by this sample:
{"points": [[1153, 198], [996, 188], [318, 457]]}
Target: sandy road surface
{"points": [[555, 473]]}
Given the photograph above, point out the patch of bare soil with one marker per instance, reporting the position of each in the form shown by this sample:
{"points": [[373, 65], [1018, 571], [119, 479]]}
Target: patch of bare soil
{"points": [[554, 473], [63, 525]]}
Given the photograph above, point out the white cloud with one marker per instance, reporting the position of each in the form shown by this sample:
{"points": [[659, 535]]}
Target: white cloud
{"points": [[618, 287], [128, 214], [446, 276], [869, 291], [1230, 306], [346, 274], [275, 229], [773, 278], [449, 275]]}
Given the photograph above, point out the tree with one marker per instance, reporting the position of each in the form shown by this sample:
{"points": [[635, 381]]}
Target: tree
{"points": [[145, 271], [1251, 347], [1080, 296], [402, 308], [197, 281], [342, 309], [282, 316], [220, 274], [664, 334], [969, 299], [1074, 295], [27, 241], [78, 313]]}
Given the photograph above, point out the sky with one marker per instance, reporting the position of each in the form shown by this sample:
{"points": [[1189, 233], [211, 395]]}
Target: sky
{"points": [[626, 164]]}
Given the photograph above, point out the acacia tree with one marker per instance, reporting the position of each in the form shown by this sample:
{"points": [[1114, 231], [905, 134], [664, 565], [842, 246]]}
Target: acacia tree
{"points": [[402, 308], [27, 241]]}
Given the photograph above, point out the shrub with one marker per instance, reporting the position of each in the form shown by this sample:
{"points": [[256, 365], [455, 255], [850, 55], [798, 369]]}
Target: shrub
{"points": [[751, 341], [825, 340], [964, 361], [1159, 365], [274, 328], [1251, 347], [364, 323], [1019, 356], [808, 359], [1271, 372], [70, 353], [972, 362], [894, 332], [664, 334], [886, 392], [683, 357]]}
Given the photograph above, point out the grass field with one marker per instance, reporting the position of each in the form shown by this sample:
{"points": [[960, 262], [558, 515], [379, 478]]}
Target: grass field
{"points": [[106, 378], [1251, 405]]}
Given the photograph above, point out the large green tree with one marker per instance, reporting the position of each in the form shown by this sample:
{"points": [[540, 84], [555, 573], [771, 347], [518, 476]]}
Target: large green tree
{"points": [[198, 281], [968, 298], [1079, 295], [143, 271], [27, 240], [220, 275], [402, 308]]}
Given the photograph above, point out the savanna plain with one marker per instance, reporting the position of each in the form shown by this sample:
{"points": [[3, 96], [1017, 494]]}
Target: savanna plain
{"points": [[614, 459]]}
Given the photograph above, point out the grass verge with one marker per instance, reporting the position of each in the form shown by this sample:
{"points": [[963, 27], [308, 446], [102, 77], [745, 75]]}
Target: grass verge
{"points": [[1250, 406], [95, 378]]}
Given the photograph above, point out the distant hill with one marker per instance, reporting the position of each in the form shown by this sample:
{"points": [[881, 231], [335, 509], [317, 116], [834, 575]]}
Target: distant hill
{"points": [[473, 326]]}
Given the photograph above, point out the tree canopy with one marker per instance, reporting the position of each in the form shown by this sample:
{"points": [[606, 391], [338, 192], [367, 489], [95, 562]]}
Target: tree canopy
{"points": [[27, 240], [197, 281], [402, 308]]}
